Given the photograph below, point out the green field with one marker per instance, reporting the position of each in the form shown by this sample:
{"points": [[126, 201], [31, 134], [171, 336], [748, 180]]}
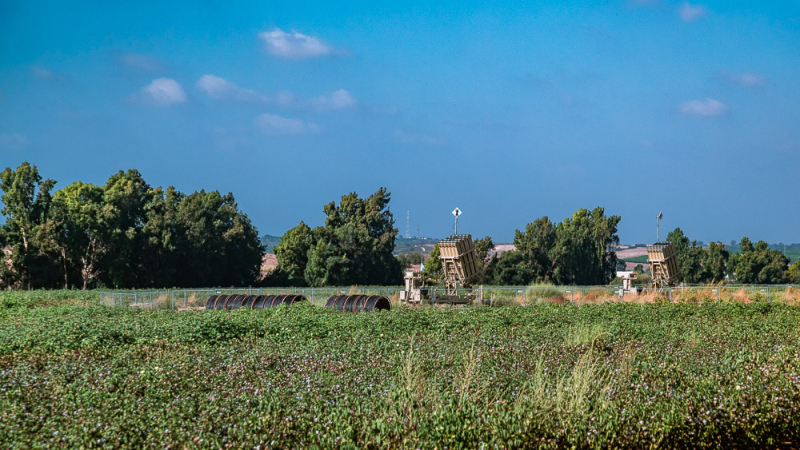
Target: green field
{"points": [[637, 259], [542, 376]]}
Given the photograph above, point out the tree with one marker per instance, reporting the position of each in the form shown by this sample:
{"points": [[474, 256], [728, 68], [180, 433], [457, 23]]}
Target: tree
{"points": [[292, 253], [483, 246], [432, 273], [689, 256], [582, 254], [219, 245], [715, 262], [128, 194], [575, 251], [758, 264], [794, 272], [83, 236], [26, 203], [355, 246]]}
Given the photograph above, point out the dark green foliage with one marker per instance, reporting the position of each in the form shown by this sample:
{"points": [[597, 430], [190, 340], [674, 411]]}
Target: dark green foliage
{"points": [[575, 251], [698, 264], [292, 254], [432, 273], [124, 234], [758, 264], [544, 376], [353, 248], [26, 202]]}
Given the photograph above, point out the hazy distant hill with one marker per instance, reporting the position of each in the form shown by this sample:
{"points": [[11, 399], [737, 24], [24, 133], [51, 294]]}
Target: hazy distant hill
{"points": [[270, 241], [403, 245]]}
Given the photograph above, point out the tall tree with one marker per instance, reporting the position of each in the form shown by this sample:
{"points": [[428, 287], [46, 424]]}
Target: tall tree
{"points": [[355, 245], [758, 264], [292, 253], [26, 202], [128, 194], [220, 246], [84, 233]]}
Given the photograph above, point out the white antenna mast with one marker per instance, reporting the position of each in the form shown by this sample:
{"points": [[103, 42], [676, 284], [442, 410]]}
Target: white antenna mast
{"points": [[658, 226], [456, 212]]}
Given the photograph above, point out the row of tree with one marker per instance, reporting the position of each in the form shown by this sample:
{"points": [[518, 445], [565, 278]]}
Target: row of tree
{"points": [[123, 234], [576, 251], [753, 264], [128, 234]]}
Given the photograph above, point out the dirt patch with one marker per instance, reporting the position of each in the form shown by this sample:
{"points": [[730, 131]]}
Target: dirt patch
{"points": [[632, 252]]}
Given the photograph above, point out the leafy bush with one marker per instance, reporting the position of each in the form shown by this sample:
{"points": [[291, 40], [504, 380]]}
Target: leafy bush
{"points": [[616, 375]]}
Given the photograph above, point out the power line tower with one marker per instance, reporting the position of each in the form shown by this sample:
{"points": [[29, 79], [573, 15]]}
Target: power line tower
{"points": [[408, 224]]}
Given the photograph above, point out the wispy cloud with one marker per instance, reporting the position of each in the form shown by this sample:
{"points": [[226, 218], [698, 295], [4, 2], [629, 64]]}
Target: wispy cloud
{"points": [[221, 89], [162, 92], [42, 73], [276, 125], [294, 45], [340, 99], [708, 107], [745, 79], [690, 13], [12, 141], [416, 138], [141, 62]]}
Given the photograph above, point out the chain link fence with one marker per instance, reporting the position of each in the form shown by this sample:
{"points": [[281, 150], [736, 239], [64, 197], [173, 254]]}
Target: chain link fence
{"points": [[182, 299]]}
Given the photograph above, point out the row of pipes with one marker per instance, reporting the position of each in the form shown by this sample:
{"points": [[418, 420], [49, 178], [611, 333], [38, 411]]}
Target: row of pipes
{"points": [[349, 303]]}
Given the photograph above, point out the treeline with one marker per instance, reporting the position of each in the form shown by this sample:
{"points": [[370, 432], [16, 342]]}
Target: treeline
{"points": [[124, 234], [754, 263], [575, 252], [354, 247]]}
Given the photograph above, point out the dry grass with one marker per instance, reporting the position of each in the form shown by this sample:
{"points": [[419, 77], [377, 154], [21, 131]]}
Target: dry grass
{"points": [[792, 296]]}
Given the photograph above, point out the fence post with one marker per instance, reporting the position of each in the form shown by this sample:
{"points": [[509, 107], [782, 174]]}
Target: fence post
{"points": [[767, 294], [151, 300], [172, 294]]}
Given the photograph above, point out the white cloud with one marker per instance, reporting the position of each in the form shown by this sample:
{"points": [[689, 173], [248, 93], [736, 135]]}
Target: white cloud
{"points": [[221, 89], [12, 141], [42, 73], [708, 107], [340, 99], [163, 92], [747, 79], [141, 62], [281, 126], [293, 45], [690, 13], [417, 139]]}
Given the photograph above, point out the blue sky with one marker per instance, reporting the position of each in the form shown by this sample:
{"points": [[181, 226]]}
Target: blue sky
{"points": [[508, 110]]}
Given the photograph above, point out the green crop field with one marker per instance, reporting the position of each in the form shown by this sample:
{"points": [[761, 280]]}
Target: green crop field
{"points": [[544, 376], [637, 259]]}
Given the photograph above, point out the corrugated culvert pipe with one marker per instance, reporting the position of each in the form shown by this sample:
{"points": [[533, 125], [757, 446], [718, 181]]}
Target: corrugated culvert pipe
{"points": [[358, 303], [236, 301]]}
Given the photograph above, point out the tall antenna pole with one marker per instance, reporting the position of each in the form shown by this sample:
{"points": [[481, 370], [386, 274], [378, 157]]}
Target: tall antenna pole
{"points": [[658, 227]]}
